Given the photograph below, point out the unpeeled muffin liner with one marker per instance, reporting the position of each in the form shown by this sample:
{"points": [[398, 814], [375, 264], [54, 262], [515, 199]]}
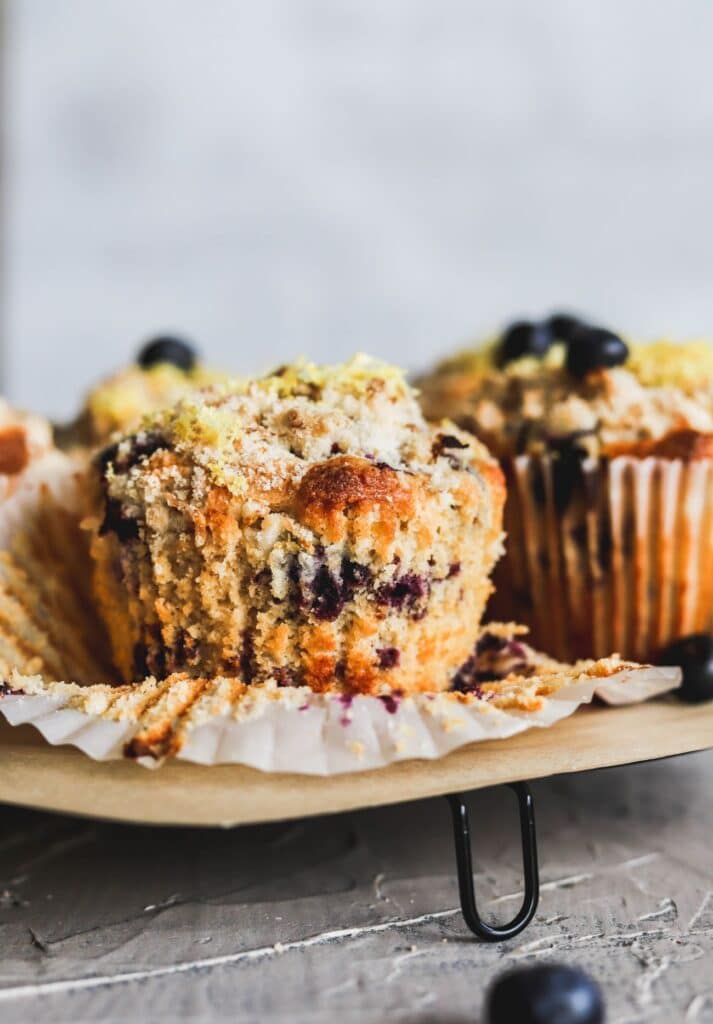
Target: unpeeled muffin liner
{"points": [[608, 554], [49, 632]]}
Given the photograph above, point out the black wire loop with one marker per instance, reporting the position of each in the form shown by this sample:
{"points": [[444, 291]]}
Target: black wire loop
{"points": [[464, 860]]}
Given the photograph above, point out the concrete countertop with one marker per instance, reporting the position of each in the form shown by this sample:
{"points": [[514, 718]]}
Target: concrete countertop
{"points": [[355, 917]]}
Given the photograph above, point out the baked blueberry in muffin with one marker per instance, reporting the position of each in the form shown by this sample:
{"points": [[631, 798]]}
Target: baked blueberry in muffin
{"points": [[305, 528]]}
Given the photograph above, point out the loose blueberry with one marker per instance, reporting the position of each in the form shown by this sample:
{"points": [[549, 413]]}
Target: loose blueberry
{"points": [[693, 654], [545, 994], [167, 350], [523, 338], [563, 325], [594, 348]]}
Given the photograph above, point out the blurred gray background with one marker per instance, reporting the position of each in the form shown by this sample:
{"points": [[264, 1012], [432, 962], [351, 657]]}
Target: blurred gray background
{"points": [[319, 176]]}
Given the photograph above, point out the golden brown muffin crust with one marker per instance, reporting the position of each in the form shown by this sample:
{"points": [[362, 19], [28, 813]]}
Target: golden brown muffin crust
{"points": [[687, 445]]}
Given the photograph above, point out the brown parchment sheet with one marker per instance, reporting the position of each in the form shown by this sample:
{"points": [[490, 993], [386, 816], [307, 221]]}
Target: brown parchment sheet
{"points": [[34, 774]]}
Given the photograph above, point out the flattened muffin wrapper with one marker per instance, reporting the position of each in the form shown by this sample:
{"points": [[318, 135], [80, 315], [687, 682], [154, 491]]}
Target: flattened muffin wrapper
{"points": [[608, 555], [49, 632], [292, 729]]}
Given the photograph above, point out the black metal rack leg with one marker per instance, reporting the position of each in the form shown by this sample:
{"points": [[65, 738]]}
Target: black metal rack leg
{"points": [[464, 861]]}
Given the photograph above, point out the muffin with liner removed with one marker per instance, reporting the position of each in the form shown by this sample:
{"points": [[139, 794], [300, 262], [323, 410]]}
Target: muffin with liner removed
{"points": [[308, 528], [607, 450]]}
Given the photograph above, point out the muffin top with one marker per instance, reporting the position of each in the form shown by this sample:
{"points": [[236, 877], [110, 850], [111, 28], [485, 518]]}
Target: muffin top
{"points": [[264, 433], [543, 387], [260, 437], [166, 369]]}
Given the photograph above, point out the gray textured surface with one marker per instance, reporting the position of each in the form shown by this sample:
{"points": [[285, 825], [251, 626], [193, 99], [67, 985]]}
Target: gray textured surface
{"points": [[324, 175], [355, 917]]}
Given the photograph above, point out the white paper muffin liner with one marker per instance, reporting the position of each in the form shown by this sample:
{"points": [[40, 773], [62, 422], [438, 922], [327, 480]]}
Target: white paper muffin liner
{"points": [[624, 563], [296, 730], [49, 633]]}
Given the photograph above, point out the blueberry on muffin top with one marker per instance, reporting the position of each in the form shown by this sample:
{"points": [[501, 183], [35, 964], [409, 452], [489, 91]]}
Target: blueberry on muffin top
{"points": [[585, 382], [167, 349]]}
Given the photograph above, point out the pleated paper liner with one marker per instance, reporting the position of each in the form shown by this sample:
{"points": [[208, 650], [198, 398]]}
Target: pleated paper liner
{"points": [[292, 729], [47, 620], [49, 635], [608, 556]]}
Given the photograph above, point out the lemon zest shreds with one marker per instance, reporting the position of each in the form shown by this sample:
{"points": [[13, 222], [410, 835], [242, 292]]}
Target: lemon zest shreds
{"points": [[665, 363]]}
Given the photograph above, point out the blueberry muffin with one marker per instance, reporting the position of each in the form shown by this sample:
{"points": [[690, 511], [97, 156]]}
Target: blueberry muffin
{"points": [[166, 369], [607, 449], [307, 528]]}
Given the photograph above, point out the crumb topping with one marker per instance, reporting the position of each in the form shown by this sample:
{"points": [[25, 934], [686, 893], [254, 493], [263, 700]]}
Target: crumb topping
{"points": [[687, 366], [119, 403], [534, 406], [266, 432]]}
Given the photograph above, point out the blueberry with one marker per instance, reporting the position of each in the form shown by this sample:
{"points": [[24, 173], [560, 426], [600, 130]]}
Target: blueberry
{"points": [[117, 520], [444, 443], [409, 592], [694, 654], [594, 348], [545, 994], [167, 350], [523, 338], [124, 457], [328, 596], [388, 657], [563, 325]]}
